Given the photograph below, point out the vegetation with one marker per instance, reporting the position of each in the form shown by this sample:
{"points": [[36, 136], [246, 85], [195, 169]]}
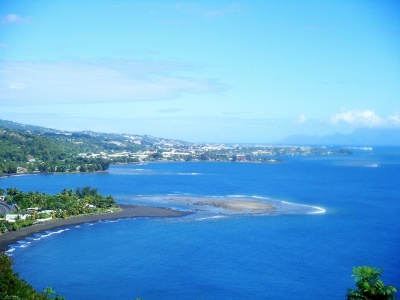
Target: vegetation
{"points": [[14, 288], [27, 149], [370, 286], [62, 205], [34, 152]]}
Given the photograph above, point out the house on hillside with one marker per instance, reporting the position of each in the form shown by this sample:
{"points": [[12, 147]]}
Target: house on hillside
{"points": [[33, 208], [13, 217]]}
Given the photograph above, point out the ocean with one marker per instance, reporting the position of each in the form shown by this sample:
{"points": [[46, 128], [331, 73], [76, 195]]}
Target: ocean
{"points": [[348, 215]]}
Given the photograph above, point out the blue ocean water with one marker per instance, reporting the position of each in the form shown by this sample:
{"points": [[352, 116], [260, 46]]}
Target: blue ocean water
{"points": [[281, 256]]}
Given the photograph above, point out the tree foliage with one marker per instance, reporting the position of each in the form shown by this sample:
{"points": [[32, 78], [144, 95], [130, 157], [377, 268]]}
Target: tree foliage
{"points": [[64, 204], [370, 286]]}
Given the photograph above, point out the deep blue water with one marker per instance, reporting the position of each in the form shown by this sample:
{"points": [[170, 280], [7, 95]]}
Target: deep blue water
{"points": [[288, 256]]}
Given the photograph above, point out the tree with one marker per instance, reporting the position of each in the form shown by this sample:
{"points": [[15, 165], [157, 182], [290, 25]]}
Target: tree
{"points": [[51, 294], [156, 156], [12, 191], [369, 285]]}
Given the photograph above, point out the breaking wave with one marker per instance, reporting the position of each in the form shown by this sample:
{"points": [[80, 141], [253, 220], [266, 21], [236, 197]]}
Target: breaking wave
{"points": [[36, 237]]}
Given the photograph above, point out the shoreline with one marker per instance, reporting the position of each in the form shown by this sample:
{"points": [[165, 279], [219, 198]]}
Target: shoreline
{"points": [[5, 175], [127, 211]]}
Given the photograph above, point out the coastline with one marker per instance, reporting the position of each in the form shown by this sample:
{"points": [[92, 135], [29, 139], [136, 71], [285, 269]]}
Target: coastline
{"points": [[272, 161], [6, 175], [127, 211]]}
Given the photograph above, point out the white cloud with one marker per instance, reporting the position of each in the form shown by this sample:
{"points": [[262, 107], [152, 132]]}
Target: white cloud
{"points": [[302, 119], [394, 119], [98, 81], [13, 19], [364, 118], [16, 86]]}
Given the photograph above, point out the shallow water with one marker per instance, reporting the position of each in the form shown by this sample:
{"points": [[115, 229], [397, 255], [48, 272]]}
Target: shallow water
{"points": [[213, 255]]}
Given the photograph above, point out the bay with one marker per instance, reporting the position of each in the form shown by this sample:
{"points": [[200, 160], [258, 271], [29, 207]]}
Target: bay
{"points": [[214, 256]]}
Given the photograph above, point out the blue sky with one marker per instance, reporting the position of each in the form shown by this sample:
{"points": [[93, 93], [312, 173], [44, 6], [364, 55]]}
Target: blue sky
{"points": [[206, 71]]}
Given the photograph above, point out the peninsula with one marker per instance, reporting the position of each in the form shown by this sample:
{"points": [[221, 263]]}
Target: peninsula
{"points": [[24, 214], [127, 211]]}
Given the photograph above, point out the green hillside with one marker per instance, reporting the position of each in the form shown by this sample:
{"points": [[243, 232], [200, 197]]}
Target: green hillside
{"points": [[35, 152], [28, 148]]}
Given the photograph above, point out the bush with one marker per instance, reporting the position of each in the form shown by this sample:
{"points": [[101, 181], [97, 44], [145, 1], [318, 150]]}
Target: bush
{"points": [[370, 286]]}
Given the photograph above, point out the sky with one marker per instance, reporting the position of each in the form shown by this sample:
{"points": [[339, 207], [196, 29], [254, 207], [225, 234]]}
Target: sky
{"points": [[201, 71]]}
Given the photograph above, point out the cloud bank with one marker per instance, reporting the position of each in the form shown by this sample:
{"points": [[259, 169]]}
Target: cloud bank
{"points": [[13, 19], [99, 81], [364, 118]]}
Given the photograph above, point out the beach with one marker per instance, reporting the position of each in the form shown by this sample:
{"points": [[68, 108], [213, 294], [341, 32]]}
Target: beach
{"points": [[127, 211]]}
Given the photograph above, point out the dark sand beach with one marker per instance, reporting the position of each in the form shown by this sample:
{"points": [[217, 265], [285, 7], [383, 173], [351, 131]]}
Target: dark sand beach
{"points": [[127, 211]]}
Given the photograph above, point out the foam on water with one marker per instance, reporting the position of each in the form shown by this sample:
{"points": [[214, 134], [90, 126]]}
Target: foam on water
{"points": [[48, 234], [10, 250], [316, 209], [34, 238], [210, 218], [188, 174], [372, 166]]}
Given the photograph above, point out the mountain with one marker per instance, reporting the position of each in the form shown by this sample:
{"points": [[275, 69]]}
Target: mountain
{"points": [[360, 137], [119, 141], [24, 127]]}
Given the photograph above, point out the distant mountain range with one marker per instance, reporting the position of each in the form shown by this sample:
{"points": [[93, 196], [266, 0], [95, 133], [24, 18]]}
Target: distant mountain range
{"points": [[18, 126], [103, 137], [360, 137]]}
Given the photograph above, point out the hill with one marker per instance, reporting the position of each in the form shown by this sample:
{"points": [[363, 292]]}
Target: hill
{"points": [[28, 148]]}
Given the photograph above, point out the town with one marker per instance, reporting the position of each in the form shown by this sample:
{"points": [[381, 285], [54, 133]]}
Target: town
{"points": [[172, 150]]}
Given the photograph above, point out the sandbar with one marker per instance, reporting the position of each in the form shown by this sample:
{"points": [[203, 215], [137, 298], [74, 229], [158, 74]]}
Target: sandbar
{"points": [[239, 205], [127, 211], [235, 205]]}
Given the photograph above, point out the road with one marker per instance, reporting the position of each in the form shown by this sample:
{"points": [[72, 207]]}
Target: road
{"points": [[6, 208]]}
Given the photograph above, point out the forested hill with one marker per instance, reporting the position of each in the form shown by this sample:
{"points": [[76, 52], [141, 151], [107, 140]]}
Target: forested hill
{"points": [[23, 151], [26, 148]]}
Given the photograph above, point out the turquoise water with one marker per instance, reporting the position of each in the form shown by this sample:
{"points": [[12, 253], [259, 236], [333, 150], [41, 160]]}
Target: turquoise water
{"points": [[210, 255]]}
